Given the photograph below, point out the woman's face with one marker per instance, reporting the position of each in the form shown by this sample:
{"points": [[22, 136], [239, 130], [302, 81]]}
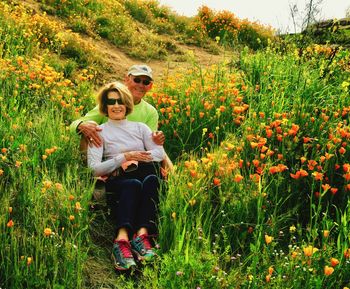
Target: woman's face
{"points": [[115, 108]]}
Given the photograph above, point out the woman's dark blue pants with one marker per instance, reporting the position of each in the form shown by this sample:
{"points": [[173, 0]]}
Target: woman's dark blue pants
{"points": [[134, 202]]}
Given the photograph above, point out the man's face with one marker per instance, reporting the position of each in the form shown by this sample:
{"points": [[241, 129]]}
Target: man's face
{"points": [[138, 86]]}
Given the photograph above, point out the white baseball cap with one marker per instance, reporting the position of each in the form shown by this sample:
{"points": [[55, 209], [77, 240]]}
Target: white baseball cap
{"points": [[140, 69]]}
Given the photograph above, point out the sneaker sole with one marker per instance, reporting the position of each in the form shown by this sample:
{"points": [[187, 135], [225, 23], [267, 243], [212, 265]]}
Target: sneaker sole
{"points": [[141, 258], [116, 267]]}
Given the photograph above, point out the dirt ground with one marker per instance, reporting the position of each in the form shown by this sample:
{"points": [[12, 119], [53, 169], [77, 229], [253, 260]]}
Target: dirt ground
{"points": [[120, 61]]}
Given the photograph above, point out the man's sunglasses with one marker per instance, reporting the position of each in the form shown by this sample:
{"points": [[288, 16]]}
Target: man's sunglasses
{"points": [[144, 82], [112, 101]]}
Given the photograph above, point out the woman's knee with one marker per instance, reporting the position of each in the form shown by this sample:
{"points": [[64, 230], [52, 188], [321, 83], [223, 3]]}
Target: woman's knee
{"points": [[151, 185], [151, 180], [135, 183], [125, 186]]}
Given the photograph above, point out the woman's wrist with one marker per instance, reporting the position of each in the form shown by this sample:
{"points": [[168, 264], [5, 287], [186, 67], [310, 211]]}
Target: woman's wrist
{"points": [[127, 156]]}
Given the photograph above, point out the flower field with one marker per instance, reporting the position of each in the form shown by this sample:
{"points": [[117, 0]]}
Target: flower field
{"points": [[259, 194]]}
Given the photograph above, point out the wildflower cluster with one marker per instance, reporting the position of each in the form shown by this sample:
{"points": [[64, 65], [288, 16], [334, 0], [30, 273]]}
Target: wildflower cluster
{"points": [[228, 29], [205, 110]]}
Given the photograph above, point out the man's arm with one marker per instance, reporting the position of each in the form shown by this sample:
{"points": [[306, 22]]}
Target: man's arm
{"points": [[92, 116], [87, 127]]}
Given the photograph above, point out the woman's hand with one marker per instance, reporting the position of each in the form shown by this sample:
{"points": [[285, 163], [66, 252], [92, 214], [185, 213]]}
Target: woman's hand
{"points": [[140, 156], [90, 131]]}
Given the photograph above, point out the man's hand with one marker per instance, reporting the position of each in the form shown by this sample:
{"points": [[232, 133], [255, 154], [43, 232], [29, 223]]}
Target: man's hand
{"points": [[158, 137], [90, 131], [141, 156]]}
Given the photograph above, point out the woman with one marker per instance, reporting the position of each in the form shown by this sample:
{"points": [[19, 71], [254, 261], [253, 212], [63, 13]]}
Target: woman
{"points": [[130, 158]]}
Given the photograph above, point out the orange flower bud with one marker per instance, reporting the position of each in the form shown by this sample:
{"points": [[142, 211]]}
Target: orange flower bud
{"points": [[10, 224]]}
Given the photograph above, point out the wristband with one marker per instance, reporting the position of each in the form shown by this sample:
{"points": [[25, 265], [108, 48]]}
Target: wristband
{"points": [[77, 129]]}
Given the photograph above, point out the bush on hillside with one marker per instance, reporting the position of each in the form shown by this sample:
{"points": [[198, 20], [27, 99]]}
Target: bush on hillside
{"points": [[228, 30]]}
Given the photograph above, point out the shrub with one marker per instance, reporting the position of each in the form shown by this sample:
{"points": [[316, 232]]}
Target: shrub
{"points": [[227, 29]]}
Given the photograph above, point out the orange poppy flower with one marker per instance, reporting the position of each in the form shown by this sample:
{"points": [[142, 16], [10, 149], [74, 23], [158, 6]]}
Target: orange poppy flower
{"points": [[347, 253], [217, 182], [328, 270], [237, 178], [256, 163], [342, 150], [334, 262], [317, 176], [269, 133], [296, 175], [303, 173], [326, 187], [334, 191], [311, 164]]}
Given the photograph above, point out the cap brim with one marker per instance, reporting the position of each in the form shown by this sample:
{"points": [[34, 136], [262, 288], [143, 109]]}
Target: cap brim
{"points": [[141, 74]]}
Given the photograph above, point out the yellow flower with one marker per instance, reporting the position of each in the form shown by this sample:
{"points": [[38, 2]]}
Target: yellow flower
{"points": [[47, 184], [345, 85], [77, 206], [173, 215], [310, 250], [59, 186], [268, 239], [29, 261], [47, 232], [292, 229], [192, 202], [71, 218]]}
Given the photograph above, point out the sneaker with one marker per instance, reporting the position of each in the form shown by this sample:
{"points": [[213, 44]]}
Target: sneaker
{"points": [[142, 247], [122, 256]]}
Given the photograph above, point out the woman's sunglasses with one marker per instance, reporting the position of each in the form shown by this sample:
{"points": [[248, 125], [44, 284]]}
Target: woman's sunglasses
{"points": [[144, 82], [112, 101]]}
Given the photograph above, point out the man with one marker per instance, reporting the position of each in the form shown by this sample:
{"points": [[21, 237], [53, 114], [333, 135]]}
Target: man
{"points": [[139, 80]]}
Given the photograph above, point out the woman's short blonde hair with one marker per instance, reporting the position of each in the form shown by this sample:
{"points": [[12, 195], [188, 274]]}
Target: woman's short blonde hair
{"points": [[123, 92]]}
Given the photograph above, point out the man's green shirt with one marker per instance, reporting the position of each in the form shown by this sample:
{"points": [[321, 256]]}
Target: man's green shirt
{"points": [[143, 112]]}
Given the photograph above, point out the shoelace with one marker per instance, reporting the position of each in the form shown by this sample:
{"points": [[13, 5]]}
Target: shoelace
{"points": [[124, 247], [145, 241]]}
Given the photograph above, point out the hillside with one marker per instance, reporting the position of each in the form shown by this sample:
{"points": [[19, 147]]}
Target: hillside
{"points": [[115, 59]]}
